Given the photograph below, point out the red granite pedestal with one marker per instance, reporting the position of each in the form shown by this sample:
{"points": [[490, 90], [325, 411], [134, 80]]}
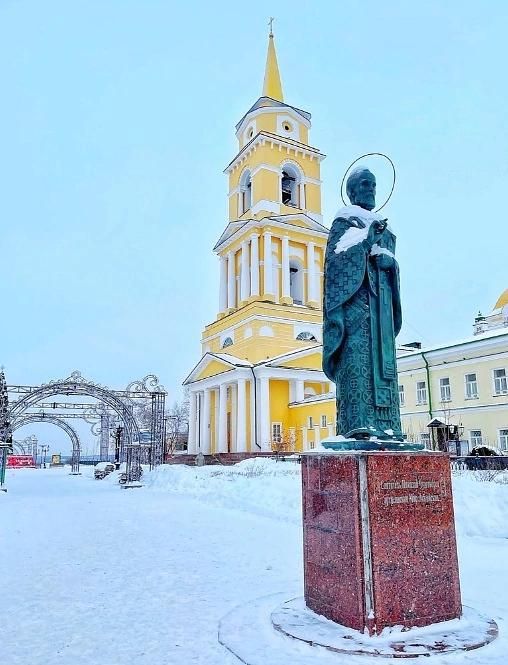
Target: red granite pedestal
{"points": [[379, 539]]}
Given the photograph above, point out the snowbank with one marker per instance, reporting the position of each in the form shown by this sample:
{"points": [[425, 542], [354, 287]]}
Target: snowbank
{"points": [[259, 486], [273, 489]]}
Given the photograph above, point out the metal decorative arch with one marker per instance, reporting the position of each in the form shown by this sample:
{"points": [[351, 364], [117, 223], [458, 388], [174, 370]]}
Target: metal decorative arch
{"points": [[29, 418], [75, 384]]}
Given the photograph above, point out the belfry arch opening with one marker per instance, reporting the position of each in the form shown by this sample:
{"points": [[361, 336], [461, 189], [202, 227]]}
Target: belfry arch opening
{"points": [[245, 192], [290, 186]]}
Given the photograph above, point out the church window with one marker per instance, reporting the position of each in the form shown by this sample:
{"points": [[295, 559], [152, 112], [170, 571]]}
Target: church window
{"points": [[323, 421], [227, 342], [289, 188], [276, 432], [287, 127], [306, 335], [311, 422], [402, 397]]}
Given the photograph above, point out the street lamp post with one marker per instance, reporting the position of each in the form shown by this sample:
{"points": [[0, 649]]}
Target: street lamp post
{"points": [[4, 449], [44, 449]]}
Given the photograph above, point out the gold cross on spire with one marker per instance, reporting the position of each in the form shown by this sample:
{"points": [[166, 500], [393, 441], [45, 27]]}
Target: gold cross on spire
{"points": [[270, 23]]}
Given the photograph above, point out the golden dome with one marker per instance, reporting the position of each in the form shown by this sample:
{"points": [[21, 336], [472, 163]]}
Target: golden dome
{"points": [[502, 300]]}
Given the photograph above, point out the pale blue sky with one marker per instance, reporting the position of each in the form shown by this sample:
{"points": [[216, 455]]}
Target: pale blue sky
{"points": [[117, 119]]}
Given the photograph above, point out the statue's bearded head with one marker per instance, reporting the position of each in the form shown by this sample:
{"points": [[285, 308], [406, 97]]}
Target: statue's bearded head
{"points": [[361, 188]]}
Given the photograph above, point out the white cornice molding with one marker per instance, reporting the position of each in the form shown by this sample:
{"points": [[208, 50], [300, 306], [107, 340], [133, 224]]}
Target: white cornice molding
{"points": [[265, 137], [248, 225], [438, 357]]}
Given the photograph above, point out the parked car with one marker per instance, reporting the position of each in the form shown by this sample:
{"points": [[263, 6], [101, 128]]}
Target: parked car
{"points": [[102, 469]]}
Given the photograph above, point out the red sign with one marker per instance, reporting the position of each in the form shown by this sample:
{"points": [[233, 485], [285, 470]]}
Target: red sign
{"points": [[19, 461]]}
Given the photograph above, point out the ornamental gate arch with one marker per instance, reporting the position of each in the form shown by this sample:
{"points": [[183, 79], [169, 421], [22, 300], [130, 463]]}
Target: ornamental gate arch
{"points": [[29, 418], [76, 385]]}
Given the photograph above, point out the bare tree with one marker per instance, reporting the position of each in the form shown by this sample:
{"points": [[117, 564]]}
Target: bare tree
{"points": [[177, 427], [284, 442]]}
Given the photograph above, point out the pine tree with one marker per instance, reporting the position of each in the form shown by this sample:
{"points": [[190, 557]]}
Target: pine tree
{"points": [[5, 433]]}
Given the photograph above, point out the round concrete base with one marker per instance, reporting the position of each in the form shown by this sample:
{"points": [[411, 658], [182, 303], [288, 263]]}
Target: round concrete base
{"points": [[272, 631]]}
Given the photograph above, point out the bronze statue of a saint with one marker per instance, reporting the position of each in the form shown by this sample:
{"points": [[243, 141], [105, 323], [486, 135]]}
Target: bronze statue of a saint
{"points": [[362, 316]]}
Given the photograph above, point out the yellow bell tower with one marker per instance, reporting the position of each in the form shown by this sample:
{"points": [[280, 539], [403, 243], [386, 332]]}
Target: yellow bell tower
{"points": [[261, 357], [272, 250]]}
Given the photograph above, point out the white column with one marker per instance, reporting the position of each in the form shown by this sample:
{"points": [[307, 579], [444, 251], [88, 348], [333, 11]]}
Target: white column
{"points": [[331, 430], [222, 444], [254, 265], [192, 443], [285, 268], [231, 280], [311, 272], [205, 424], [264, 414], [216, 417], [223, 295], [299, 391], [268, 281], [253, 413], [245, 276], [241, 418], [317, 436]]}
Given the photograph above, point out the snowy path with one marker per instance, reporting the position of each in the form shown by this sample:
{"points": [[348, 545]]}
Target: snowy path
{"points": [[91, 574], [97, 575]]}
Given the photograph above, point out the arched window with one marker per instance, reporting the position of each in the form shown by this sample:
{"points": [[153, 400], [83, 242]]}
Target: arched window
{"points": [[245, 192], [227, 342], [290, 187], [296, 281], [306, 335]]}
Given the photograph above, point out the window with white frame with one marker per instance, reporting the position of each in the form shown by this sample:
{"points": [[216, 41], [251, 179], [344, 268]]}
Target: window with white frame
{"points": [[471, 386], [445, 390], [475, 438], [425, 439], [503, 439], [277, 432], [323, 421], [402, 396], [500, 382], [421, 392], [310, 422]]}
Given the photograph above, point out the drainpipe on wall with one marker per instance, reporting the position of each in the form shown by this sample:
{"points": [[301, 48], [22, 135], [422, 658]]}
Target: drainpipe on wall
{"points": [[427, 372], [428, 383], [254, 390]]}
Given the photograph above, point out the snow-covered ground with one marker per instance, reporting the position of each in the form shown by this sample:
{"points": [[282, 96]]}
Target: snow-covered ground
{"points": [[91, 574]]}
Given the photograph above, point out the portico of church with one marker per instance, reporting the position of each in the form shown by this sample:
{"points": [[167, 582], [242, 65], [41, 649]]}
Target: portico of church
{"points": [[248, 408]]}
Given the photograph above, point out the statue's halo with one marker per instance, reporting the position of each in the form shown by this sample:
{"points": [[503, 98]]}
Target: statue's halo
{"points": [[350, 168]]}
